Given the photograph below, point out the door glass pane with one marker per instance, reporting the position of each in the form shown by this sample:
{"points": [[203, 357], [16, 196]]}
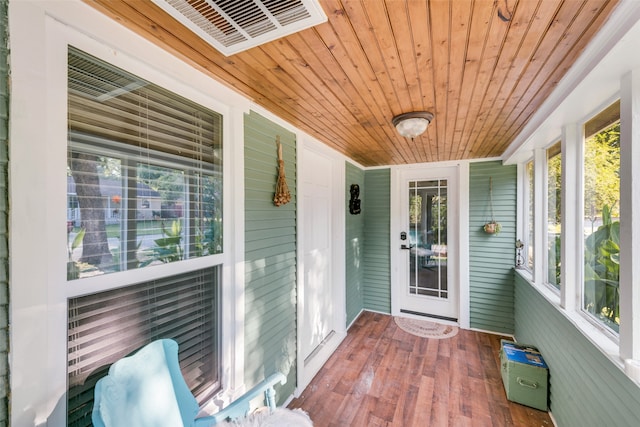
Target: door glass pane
{"points": [[428, 238]]}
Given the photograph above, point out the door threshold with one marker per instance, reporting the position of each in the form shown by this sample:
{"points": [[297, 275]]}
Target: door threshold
{"points": [[432, 316]]}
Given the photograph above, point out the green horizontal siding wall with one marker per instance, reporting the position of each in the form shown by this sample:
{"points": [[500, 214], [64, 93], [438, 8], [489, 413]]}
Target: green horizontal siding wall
{"points": [[586, 389], [354, 245], [376, 258], [491, 257], [270, 255], [4, 231]]}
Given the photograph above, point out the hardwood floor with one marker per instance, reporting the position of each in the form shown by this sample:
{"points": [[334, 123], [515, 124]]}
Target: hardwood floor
{"points": [[383, 376]]}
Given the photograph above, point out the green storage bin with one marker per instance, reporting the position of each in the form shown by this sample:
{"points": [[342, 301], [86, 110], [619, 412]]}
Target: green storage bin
{"points": [[525, 375]]}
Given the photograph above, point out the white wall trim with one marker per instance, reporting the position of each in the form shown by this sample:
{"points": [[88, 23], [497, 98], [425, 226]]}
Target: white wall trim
{"points": [[464, 310], [572, 209], [234, 214], [630, 229]]}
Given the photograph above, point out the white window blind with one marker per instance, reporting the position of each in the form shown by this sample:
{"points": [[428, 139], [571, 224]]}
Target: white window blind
{"points": [[107, 326], [108, 102]]}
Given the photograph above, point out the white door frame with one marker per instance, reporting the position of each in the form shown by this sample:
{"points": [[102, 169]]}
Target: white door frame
{"points": [[461, 273], [308, 368]]}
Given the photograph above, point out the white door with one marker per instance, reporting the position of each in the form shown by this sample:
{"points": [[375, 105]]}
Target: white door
{"points": [[426, 243], [321, 251], [317, 211]]}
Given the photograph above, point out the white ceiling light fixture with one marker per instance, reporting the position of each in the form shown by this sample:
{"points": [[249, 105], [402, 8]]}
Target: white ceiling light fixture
{"points": [[232, 26], [412, 124]]}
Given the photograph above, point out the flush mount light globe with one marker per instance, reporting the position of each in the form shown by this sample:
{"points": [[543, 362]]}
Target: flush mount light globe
{"points": [[412, 124]]}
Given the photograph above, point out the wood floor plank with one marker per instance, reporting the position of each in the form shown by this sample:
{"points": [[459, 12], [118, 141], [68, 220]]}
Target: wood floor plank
{"points": [[406, 405], [430, 358], [425, 399], [383, 376], [440, 401]]}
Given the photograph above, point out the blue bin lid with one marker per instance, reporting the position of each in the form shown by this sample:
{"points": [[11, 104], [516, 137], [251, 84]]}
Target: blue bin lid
{"points": [[522, 355]]}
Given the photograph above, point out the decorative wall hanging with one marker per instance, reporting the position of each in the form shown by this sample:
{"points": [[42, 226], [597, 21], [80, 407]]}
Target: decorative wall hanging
{"points": [[354, 202], [282, 196], [519, 257], [505, 16], [492, 226]]}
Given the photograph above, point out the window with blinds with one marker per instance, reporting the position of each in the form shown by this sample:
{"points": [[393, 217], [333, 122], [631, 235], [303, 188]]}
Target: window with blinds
{"points": [[107, 326], [144, 182]]}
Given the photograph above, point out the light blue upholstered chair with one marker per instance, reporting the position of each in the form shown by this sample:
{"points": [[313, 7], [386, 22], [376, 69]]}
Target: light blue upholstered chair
{"points": [[147, 389]]}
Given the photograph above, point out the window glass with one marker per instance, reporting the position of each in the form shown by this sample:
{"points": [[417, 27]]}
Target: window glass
{"points": [[528, 247], [144, 182], [601, 294], [554, 220]]}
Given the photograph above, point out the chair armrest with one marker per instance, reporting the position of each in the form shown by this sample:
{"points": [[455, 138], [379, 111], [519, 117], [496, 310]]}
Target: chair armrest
{"points": [[240, 407], [207, 421]]}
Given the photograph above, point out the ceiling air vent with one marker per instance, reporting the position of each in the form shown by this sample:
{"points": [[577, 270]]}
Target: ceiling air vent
{"points": [[232, 26]]}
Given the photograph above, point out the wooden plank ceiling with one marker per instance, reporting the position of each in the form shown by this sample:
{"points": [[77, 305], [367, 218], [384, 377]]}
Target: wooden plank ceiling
{"points": [[481, 66]]}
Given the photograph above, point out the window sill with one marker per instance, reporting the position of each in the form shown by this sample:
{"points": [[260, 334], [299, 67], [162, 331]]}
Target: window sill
{"points": [[597, 337]]}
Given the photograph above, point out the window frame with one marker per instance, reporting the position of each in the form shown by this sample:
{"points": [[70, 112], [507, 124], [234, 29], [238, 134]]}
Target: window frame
{"points": [[39, 306], [178, 306], [580, 241], [182, 136], [231, 343], [568, 299], [228, 342], [605, 72]]}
